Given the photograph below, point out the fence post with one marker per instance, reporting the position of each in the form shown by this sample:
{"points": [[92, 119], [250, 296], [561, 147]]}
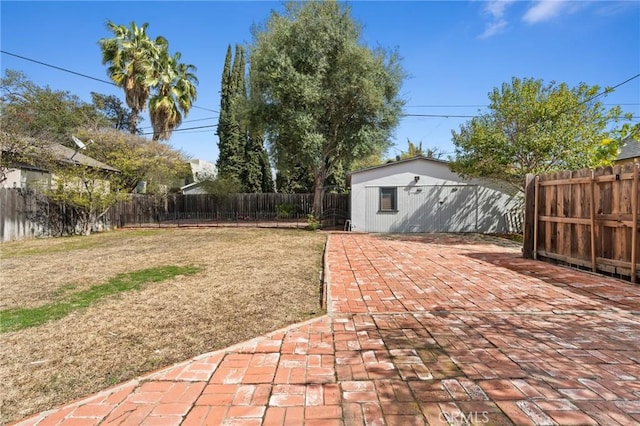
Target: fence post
{"points": [[592, 215], [634, 228], [536, 197], [527, 247]]}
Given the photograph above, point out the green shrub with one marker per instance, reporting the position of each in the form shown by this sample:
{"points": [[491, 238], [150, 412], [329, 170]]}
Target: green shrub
{"points": [[287, 210], [312, 223]]}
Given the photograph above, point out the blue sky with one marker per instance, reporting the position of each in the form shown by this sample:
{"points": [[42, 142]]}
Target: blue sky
{"points": [[454, 52]]}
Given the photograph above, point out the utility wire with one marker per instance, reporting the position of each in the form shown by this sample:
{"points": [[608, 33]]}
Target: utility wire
{"points": [[597, 95], [604, 92], [57, 68], [185, 128], [185, 121], [80, 74], [439, 115], [484, 106]]}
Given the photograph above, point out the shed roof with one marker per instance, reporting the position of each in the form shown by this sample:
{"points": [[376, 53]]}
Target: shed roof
{"points": [[396, 162]]}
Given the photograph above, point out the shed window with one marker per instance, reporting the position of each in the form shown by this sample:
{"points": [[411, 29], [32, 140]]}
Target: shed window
{"points": [[388, 199]]}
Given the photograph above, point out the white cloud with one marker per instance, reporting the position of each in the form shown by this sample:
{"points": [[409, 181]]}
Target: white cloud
{"points": [[496, 9], [545, 10], [494, 28]]}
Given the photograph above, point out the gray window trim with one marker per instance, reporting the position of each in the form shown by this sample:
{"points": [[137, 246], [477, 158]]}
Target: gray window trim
{"points": [[386, 190]]}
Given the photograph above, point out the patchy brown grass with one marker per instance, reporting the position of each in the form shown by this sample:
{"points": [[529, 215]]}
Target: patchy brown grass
{"points": [[253, 281]]}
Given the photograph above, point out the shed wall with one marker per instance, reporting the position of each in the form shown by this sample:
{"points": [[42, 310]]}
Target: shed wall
{"points": [[438, 201]]}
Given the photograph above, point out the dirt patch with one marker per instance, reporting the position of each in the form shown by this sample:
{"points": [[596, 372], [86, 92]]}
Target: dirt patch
{"points": [[253, 281]]}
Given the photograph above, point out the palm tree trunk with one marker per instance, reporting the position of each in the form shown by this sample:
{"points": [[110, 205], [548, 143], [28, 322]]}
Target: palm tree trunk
{"points": [[134, 121]]}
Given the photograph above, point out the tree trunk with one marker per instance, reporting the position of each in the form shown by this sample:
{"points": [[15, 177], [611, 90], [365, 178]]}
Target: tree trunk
{"points": [[134, 121], [318, 192]]}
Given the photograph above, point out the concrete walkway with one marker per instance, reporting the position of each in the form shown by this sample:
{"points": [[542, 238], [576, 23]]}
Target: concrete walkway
{"points": [[421, 330]]}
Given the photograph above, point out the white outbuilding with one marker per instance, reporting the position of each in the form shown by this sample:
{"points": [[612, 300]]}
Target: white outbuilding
{"points": [[423, 195]]}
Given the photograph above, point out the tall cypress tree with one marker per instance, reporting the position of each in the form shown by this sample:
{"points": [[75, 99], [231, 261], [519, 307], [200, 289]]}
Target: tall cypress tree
{"points": [[265, 168], [231, 151], [224, 143], [252, 173], [242, 153]]}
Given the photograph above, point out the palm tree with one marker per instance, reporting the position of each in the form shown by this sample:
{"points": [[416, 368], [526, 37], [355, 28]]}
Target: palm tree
{"points": [[175, 85], [131, 58]]}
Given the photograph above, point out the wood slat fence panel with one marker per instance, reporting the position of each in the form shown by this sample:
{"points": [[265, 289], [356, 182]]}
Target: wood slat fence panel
{"points": [[28, 214], [207, 209], [587, 218]]}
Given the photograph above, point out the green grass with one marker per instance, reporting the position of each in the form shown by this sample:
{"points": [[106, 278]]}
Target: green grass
{"points": [[17, 319]]}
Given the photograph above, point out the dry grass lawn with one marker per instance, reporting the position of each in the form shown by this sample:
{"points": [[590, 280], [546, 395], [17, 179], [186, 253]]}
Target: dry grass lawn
{"points": [[253, 281]]}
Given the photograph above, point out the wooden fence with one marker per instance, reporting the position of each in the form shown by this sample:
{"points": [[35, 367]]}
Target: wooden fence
{"points": [[30, 214], [587, 218], [234, 209]]}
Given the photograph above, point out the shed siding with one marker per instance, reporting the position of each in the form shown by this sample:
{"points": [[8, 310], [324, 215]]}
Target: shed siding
{"points": [[425, 208], [430, 198]]}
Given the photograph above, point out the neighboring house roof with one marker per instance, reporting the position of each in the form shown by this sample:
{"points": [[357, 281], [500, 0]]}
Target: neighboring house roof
{"points": [[195, 187], [392, 163], [69, 155], [191, 185], [630, 149], [65, 155]]}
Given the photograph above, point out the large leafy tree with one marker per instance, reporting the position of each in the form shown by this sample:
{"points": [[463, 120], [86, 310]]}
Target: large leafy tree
{"points": [[33, 117], [131, 57], [533, 127], [323, 97], [137, 158], [85, 191], [41, 112], [115, 111]]}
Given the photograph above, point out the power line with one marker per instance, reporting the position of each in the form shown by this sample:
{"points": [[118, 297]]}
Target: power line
{"points": [[185, 121], [439, 115], [57, 68], [597, 95], [446, 106], [485, 106], [604, 92], [183, 129], [80, 74]]}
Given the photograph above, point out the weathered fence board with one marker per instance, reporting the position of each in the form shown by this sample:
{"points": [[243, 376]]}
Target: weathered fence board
{"points": [[27, 214], [30, 214], [587, 218]]}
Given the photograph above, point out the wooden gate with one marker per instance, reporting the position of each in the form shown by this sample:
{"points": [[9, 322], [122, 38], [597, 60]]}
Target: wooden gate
{"points": [[587, 218]]}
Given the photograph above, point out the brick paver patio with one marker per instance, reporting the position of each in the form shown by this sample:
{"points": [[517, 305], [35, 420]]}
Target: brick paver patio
{"points": [[421, 330]]}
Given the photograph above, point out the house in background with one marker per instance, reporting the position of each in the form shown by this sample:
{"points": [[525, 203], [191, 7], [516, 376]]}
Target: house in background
{"points": [[422, 195], [629, 152], [28, 176], [202, 172]]}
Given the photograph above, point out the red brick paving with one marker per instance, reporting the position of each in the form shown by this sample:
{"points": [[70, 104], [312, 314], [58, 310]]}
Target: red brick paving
{"points": [[421, 330]]}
